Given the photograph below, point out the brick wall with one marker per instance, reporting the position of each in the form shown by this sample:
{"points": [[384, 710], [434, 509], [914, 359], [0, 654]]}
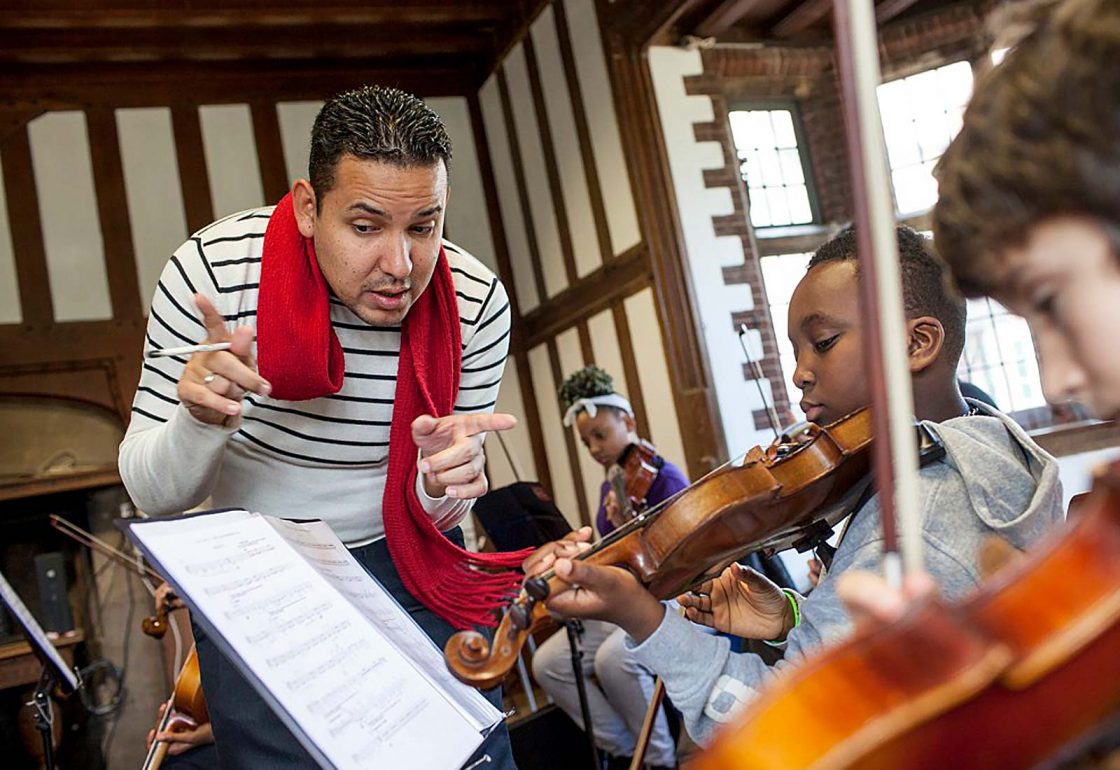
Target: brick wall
{"points": [[806, 78]]}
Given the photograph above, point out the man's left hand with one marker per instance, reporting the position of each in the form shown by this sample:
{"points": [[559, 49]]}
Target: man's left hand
{"points": [[451, 455]]}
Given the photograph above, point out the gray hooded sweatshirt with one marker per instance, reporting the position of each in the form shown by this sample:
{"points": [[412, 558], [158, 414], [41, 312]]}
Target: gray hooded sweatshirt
{"points": [[992, 480]]}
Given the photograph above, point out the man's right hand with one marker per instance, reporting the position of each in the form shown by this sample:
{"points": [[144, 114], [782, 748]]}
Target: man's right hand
{"points": [[213, 384]]}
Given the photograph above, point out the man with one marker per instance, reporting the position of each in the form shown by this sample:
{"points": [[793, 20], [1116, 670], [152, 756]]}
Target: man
{"points": [[380, 348], [985, 451]]}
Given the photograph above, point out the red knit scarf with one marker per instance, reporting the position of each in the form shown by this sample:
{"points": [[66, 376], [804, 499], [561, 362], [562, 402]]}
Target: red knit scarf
{"points": [[301, 357]]}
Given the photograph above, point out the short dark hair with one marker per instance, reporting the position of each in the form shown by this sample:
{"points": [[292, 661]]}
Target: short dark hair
{"points": [[925, 291], [374, 123], [1041, 138]]}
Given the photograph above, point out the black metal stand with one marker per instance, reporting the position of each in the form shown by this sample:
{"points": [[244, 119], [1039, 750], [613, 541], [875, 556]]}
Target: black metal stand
{"points": [[44, 716], [575, 628]]}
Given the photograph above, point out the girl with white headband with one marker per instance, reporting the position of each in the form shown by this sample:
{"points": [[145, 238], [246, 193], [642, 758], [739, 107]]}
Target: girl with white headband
{"points": [[619, 695]]}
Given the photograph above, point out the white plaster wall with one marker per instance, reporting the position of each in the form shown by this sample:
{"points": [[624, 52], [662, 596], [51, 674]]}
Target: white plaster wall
{"points": [[155, 198], [565, 142], [707, 254], [606, 141], [75, 252], [10, 311], [467, 223], [513, 220], [571, 359], [231, 158], [296, 120], [563, 483]]}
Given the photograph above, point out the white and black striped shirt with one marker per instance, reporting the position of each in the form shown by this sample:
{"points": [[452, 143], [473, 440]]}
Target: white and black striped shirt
{"points": [[325, 457]]}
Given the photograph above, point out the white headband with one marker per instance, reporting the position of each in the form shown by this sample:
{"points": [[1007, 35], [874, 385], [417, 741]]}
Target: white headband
{"points": [[591, 406]]}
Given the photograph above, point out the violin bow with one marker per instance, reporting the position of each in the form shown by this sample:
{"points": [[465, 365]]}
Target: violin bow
{"points": [[90, 540], [894, 451]]}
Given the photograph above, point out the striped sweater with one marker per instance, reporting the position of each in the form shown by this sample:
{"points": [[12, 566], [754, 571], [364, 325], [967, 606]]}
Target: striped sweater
{"points": [[323, 458]]}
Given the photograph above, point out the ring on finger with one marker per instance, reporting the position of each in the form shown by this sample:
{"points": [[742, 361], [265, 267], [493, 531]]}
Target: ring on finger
{"points": [[209, 378]]}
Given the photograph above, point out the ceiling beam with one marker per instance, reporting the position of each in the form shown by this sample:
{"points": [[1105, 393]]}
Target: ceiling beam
{"points": [[274, 15], [232, 43], [724, 16], [888, 9], [801, 18], [639, 22]]}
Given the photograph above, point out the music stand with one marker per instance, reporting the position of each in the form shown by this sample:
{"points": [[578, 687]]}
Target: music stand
{"points": [[55, 671]]}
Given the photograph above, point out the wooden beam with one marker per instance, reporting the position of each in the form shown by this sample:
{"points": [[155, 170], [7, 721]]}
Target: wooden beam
{"points": [[112, 210], [888, 9], [724, 16], [640, 22], [382, 41], [630, 366], [570, 443], [583, 132], [194, 179], [522, 189], [27, 233], [805, 15], [674, 298], [505, 271], [593, 294], [270, 151], [552, 169], [25, 87]]}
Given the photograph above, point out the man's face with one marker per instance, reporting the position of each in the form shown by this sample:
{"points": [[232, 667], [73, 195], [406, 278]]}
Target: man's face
{"points": [[1066, 282], [377, 235], [827, 337]]}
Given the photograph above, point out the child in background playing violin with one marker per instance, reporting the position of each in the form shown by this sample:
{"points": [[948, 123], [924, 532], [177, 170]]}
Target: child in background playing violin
{"points": [[618, 702], [1029, 209], [992, 479]]}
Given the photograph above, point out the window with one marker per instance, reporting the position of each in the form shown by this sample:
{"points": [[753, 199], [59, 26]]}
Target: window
{"points": [[921, 115], [999, 357], [781, 273], [772, 167]]}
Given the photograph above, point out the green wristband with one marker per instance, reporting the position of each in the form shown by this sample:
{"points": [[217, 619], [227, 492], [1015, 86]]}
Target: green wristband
{"points": [[796, 615]]}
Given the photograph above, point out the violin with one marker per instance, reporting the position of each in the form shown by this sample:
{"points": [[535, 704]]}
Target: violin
{"points": [[186, 710], [1022, 669], [633, 475], [779, 496]]}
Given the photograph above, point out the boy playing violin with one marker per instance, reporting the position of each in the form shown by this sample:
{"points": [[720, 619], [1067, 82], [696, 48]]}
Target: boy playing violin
{"points": [[992, 479], [1029, 211]]}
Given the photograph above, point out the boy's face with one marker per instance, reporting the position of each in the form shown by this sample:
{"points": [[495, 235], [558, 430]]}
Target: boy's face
{"points": [[827, 337], [1065, 280]]}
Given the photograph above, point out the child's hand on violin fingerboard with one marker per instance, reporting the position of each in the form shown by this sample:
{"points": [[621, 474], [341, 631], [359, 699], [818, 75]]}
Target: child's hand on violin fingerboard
{"points": [[606, 593], [545, 557], [742, 602]]}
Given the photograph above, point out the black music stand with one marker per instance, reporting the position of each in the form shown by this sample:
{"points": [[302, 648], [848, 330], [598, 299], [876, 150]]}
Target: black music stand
{"points": [[55, 671], [523, 515]]}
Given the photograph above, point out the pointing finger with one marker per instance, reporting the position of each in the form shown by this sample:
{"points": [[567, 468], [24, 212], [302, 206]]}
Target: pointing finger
{"points": [[215, 325]]}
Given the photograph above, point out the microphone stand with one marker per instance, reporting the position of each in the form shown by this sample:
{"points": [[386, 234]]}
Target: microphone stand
{"points": [[575, 628]]}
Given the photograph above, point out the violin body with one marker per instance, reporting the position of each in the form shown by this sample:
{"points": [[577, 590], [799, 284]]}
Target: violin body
{"points": [[186, 710], [1022, 671], [633, 476], [777, 497]]}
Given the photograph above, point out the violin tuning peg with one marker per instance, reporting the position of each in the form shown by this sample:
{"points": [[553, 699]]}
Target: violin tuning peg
{"points": [[537, 588], [519, 616]]}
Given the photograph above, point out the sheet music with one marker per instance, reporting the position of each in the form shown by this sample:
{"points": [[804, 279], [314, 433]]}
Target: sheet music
{"points": [[322, 549], [351, 697], [38, 637]]}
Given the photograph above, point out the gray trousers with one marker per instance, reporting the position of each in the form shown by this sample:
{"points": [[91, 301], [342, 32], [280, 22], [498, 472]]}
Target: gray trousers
{"points": [[619, 701]]}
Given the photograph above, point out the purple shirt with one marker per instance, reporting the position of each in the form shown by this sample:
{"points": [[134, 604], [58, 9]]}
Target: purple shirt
{"points": [[669, 481]]}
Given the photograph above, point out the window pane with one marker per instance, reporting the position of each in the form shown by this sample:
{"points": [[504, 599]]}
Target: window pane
{"points": [[799, 208], [781, 274], [779, 205], [783, 128], [921, 114], [792, 172], [772, 167]]}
